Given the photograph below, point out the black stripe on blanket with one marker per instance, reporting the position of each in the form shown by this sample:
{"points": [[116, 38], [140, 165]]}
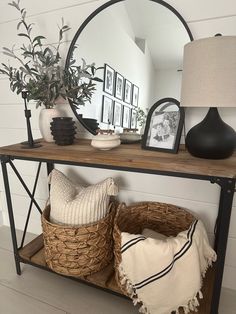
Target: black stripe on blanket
{"points": [[131, 242], [179, 254]]}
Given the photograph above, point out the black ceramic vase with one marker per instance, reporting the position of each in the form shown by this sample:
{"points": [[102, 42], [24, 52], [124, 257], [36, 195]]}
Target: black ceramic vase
{"points": [[63, 130]]}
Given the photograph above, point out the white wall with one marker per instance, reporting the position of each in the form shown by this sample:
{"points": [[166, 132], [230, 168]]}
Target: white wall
{"points": [[168, 83], [205, 18]]}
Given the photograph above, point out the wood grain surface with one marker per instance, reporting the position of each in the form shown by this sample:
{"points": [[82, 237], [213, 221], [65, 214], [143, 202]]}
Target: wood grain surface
{"points": [[126, 157]]}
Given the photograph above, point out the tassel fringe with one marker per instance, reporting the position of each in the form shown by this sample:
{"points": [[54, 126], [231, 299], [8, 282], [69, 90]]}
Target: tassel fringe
{"points": [[112, 189]]}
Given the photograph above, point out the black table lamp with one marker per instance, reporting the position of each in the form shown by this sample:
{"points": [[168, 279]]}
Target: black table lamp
{"points": [[209, 80]]}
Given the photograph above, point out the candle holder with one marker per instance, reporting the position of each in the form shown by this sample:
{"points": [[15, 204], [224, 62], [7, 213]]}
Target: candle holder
{"points": [[30, 143]]}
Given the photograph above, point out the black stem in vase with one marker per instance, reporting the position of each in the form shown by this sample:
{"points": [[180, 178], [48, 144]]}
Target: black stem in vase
{"points": [[30, 143]]}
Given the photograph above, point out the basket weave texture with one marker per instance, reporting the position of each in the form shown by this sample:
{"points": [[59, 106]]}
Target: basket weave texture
{"points": [[164, 218], [78, 251]]}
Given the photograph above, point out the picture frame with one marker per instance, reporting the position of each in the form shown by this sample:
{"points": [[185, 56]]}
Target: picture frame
{"points": [[117, 113], [164, 126], [107, 110], [126, 117], [133, 119], [135, 96], [109, 79], [119, 86], [127, 92]]}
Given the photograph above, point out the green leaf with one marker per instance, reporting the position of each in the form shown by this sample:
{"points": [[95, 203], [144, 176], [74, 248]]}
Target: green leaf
{"points": [[9, 54], [38, 38], [23, 35], [97, 79]]}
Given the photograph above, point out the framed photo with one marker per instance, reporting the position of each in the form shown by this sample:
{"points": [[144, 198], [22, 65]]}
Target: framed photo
{"points": [[117, 115], [107, 109], [126, 117], [135, 96], [164, 126], [109, 78], [133, 121], [119, 86], [128, 92]]}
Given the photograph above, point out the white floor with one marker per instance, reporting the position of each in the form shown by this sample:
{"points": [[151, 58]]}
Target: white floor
{"points": [[40, 292]]}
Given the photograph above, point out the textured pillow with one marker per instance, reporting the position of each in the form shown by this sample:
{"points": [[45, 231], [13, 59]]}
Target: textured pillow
{"points": [[72, 204]]}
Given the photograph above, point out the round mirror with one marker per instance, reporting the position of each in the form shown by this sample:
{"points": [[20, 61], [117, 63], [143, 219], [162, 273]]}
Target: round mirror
{"points": [[139, 45]]}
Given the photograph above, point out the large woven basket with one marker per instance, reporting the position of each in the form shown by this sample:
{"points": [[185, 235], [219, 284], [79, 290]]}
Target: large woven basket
{"points": [[164, 218], [78, 251]]}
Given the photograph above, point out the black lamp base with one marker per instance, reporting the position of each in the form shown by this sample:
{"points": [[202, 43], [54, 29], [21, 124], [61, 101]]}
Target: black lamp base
{"points": [[212, 138]]}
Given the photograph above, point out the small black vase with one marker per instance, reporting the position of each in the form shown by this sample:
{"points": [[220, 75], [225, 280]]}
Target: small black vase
{"points": [[63, 130]]}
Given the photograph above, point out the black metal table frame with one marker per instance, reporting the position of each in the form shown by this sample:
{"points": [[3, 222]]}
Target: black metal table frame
{"points": [[227, 189]]}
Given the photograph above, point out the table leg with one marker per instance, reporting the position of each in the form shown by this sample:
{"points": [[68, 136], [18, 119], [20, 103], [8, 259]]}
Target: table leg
{"points": [[222, 231], [11, 215]]}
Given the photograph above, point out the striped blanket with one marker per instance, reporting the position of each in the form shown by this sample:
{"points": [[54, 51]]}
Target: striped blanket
{"points": [[164, 274]]}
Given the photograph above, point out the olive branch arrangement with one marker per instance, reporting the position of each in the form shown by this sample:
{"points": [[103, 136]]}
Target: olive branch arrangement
{"points": [[40, 72]]}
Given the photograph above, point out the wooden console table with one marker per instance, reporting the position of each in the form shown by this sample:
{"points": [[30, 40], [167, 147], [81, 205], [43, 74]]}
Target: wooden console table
{"points": [[126, 158]]}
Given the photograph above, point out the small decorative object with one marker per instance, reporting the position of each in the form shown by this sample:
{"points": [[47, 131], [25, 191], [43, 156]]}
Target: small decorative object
{"points": [[119, 86], [109, 78], [30, 143], [164, 126], [63, 130], [126, 117], [135, 96], [107, 109], [91, 123], [128, 92], [130, 136], [209, 80], [117, 115], [133, 123], [105, 140]]}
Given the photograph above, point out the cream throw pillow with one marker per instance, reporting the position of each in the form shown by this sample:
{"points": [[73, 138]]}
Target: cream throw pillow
{"points": [[73, 204]]}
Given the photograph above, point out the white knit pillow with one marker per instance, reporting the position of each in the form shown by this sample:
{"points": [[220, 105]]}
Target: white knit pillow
{"points": [[72, 204]]}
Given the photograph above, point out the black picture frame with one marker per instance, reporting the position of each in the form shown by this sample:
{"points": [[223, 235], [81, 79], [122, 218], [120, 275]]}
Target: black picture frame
{"points": [[133, 119], [107, 110], [109, 79], [119, 86], [164, 126], [117, 113], [127, 92], [135, 96], [126, 117]]}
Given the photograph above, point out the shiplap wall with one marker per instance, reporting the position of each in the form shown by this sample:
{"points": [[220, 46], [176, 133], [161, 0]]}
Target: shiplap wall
{"points": [[205, 18]]}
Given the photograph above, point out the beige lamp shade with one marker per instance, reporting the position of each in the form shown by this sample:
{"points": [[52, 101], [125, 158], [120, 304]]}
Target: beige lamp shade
{"points": [[209, 73]]}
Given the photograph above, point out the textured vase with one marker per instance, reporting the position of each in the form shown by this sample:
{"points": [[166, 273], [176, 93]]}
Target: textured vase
{"points": [[45, 118]]}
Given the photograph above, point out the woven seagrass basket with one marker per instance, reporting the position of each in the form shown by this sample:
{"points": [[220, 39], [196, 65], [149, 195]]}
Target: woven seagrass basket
{"points": [[164, 218], [78, 251]]}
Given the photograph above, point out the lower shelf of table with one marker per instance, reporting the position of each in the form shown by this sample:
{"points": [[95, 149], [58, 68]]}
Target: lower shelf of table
{"points": [[33, 253]]}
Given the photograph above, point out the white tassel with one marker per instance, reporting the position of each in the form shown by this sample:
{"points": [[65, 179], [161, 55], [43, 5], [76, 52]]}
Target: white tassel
{"points": [[112, 189], [200, 295]]}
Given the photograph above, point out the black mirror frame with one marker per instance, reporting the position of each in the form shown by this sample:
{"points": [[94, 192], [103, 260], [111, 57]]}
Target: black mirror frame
{"points": [[84, 24], [175, 149]]}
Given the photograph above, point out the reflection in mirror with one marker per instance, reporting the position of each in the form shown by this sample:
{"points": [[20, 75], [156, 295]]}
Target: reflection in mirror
{"points": [[140, 43], [164, 126]]}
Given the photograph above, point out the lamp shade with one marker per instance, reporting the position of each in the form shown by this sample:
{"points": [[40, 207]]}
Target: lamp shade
{"points": [[209, 73]]}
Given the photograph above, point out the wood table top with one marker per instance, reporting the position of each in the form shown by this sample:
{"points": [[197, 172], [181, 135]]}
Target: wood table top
{"points": [[128, 157]]}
